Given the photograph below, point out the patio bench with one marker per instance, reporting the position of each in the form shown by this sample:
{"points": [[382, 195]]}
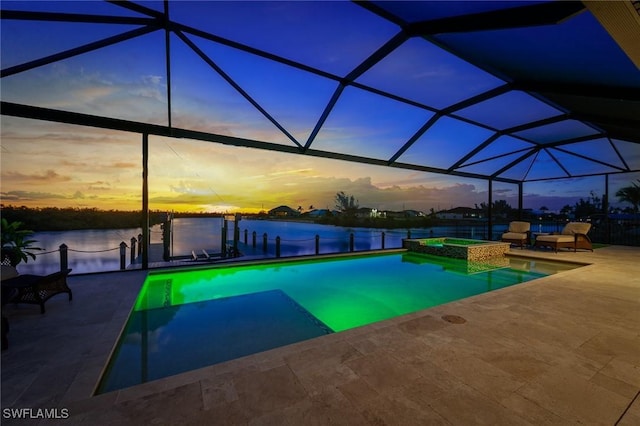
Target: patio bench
{"points": [[36, 289]]}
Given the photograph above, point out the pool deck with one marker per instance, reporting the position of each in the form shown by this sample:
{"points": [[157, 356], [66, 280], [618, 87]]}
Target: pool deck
{"points": [[563, 349]]}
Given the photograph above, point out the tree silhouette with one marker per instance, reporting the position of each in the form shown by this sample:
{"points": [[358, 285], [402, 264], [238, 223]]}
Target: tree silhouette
{"points": [[499, 208], [566, 209], [630, 194], [346, 203], [588, 207]]}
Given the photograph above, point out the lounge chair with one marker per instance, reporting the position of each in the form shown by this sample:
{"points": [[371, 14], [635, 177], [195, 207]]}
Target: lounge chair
{"points": [[574, 235], [34, 289], [519, 233], [200, 257]]}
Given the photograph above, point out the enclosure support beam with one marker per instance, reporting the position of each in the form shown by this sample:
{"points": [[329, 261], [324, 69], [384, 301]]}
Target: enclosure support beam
{"points": [[39, 113], [490, 211], [605, 209], [520, 200], [145, 201]]}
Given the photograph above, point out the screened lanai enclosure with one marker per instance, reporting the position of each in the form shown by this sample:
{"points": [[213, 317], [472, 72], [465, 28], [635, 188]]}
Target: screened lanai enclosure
{"points": [[521, 96]]}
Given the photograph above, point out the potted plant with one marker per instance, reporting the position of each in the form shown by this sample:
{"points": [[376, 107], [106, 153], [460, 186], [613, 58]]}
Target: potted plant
{"points": [[17, 245]]}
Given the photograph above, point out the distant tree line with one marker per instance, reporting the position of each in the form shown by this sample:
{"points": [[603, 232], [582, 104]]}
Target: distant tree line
{"points": [[65, 219], [348, 207], [583, 208], [198, 214], [353, 221]]}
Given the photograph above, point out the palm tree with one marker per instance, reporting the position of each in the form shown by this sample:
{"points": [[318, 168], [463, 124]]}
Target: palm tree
{"points": [[630, 194], [16, 243], [346, 203]]}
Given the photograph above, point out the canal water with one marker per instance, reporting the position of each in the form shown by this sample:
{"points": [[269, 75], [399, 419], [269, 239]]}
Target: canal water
{"points": [[99, 250]]}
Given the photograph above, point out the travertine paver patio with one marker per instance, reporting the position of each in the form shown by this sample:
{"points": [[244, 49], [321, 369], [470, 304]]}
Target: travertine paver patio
{"points": [[563, 349]]}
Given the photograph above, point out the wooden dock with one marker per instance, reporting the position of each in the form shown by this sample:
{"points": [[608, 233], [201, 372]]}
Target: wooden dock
{"points": [[156, 259]]}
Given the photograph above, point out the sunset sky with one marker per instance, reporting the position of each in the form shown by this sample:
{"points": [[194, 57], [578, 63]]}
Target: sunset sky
{"points": [[50, 164], [45, 164], [104, 171]]}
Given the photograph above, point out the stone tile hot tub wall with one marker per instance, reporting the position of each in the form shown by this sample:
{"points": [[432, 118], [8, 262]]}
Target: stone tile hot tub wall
{"points": [[475, 251]]}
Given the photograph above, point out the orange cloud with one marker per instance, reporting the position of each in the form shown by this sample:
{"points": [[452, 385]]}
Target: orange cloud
{"points": [[47, 177]]}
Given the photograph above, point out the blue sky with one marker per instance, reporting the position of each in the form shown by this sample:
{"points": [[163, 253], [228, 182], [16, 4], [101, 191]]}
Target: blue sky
{"points": [[60, 165]]}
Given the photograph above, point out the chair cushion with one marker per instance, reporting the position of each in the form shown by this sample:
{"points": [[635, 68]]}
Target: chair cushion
{"points": [[572, 228], [519, 226], [556, 238], [514, 236]]}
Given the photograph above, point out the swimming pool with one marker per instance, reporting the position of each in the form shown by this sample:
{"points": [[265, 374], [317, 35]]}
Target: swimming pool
{"points": [[191, 319]]}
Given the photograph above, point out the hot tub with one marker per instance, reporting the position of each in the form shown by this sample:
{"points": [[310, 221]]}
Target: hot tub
{"points": [[457, 248]]}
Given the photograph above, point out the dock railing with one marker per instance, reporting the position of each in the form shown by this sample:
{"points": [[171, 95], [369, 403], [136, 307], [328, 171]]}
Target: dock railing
{"points": [[259, 244]]}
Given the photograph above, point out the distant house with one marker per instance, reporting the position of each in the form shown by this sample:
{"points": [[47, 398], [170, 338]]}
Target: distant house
{"points": [[364, 212], [283, 211], [460, 213], [401, 214], [393, 215], [413, 213], [321, 213]]}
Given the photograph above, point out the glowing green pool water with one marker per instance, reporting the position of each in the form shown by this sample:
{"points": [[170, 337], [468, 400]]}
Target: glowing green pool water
{"points": [[457, 241], [191, 319]]}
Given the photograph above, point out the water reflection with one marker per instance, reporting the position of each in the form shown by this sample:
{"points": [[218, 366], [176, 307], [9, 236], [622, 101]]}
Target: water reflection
{"points": [[98, 250], [88, 250]]}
